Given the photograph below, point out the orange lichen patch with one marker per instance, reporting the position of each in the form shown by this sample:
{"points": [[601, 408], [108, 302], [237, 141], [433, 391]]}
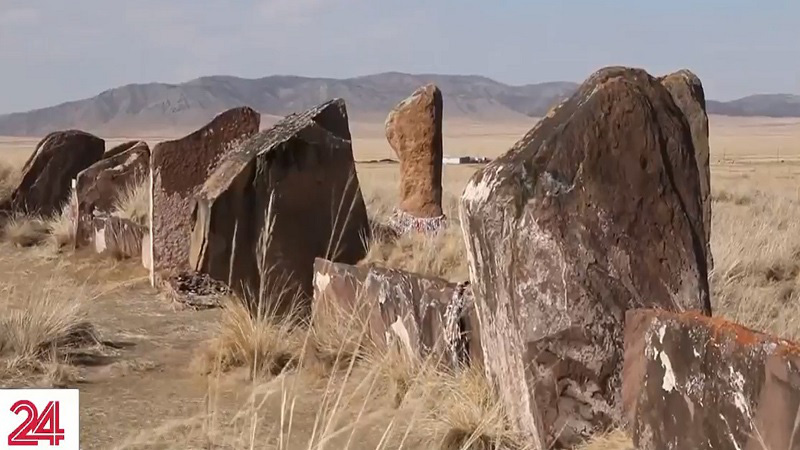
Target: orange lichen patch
{"points": [[722, 328]]}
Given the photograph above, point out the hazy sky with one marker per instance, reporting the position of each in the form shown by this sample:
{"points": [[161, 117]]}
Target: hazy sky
{"points": [[57, 50]]}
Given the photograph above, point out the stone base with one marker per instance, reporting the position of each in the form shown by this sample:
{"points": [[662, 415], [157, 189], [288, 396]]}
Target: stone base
{"points": [[403, 222], [195, 290]]}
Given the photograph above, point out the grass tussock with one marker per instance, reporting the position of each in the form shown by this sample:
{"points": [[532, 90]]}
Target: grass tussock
{"points": [[9, 179], [25, 230], [61, 227], [265, 344], [134, 203], [38, 330], [441, 254]]}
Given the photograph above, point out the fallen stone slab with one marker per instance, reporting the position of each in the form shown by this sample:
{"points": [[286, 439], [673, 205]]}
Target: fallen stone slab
{"points": [[426, 317], [118, 237], [286, 196], [595, 211], [47, 175], [179, 169], [693, 382], [98, 188]]}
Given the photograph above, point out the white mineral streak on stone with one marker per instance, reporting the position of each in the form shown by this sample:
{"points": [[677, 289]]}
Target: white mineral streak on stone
{"points": [[543, 296], [668, 383], [479, 192], [321, 281], [150, 238], [737, 381], [100, 239], [730, 433], [399, 329], [661, 332]]}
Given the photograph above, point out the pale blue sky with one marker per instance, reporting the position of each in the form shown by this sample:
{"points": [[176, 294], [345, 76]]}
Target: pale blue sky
{"points": [[57, 50]]}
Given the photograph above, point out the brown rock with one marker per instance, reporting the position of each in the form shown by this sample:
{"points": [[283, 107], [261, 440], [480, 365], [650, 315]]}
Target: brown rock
{"points": [[124, 147], [296, 186], [687, 92], [595, 211], [692, 382], [118, 237], [414, 130], [427, 317], [179, 169], [98, 188], [47, 175]]}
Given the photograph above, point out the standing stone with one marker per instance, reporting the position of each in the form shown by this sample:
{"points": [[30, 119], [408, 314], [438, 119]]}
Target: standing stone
{"points": [[286, 196], [178, 170], [47, 175], [414, 130], [687, 92], [98, 188], [692, 382], [595, 211]]}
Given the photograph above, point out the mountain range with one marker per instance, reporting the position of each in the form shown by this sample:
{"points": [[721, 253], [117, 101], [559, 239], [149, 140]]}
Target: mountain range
{"points": [[138, 109]]}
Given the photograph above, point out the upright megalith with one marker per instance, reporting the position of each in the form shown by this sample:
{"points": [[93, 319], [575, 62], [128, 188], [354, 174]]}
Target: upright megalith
{"points": [[414, 130], [687, 92], [595, 211], [286, 196], [178, 170], [99, 188], [47, 176]]}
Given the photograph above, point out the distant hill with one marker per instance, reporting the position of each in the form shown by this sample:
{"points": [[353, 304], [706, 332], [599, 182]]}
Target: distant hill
{"points": [[159, 107]]}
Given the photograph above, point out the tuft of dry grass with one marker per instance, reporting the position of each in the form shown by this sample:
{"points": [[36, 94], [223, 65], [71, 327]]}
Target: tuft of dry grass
{"points": [[264, 343], [442, 254], [9, 179], [25, 230], [38, 329], [467, 414], [61, 227], [134, 203], [613, 440]]}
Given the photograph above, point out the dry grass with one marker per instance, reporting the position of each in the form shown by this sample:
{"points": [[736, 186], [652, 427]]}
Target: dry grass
{"points": [[36, 330], [263, 343], [25, 230], [134, 203], [9, 178]]}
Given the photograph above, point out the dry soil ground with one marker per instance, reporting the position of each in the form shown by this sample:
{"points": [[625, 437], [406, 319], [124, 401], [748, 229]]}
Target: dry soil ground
{"points": [[145, 385]]}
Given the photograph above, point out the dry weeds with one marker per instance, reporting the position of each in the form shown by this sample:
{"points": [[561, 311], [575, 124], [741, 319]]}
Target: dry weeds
{"points": [[134, 203], [25, 230], [37, 329]]}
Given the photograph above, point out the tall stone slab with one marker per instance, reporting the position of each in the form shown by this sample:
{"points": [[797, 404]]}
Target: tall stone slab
{"points": [[47, 176], [98, 188], [178, 170], [688, 94], [692, 382], [595, 211], [414, 131], [286, 196]]}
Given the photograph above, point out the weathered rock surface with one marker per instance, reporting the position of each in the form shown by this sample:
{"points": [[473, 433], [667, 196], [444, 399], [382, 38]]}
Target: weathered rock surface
{"points": [[695, 382], [47, 175], [124, 147], [414, 131], [179, 169], [98, 188], [295, 186], [687, 92], [427, 317], [595, 211], [117, 237]]}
